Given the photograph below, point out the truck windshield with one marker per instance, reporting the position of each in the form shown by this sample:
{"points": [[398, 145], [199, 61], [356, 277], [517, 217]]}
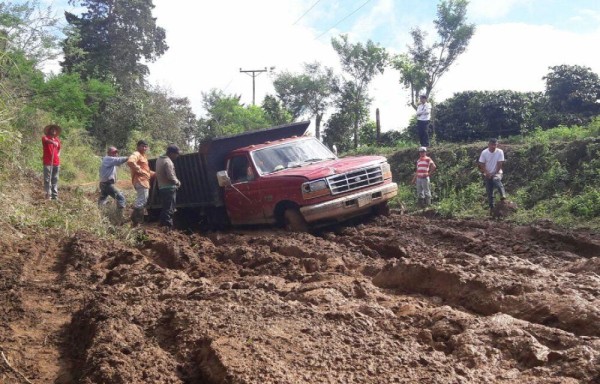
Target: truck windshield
{"points": [[290, 155]]}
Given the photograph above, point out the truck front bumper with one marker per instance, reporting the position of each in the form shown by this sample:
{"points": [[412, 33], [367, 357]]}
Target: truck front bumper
{"points": [[350, 205]]}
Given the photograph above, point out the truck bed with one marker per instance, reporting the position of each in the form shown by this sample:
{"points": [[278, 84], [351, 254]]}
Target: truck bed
{"points": [[197, 171]]}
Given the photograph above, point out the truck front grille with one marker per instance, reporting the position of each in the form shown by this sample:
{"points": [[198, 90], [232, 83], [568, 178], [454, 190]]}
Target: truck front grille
{"points": [[353, 180]]}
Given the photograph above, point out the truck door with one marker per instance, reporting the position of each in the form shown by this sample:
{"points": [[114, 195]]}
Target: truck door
{"points": [[242, 198]]}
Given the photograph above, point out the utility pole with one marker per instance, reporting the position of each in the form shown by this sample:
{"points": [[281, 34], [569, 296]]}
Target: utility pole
{"points": [[254, 73]]}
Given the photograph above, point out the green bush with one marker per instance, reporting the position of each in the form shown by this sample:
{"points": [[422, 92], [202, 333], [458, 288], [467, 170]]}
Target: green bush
{"points": [[587, 204]]}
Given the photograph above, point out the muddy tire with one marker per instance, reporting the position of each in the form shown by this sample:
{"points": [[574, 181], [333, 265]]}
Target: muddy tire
{"points": [[382, 209], [293, 221]]}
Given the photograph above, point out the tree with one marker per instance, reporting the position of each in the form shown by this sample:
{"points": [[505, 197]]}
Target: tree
{"points": [[424, 65], [338, 129], [276, 113], [478, 115], [30, 29], [307, 93], [226, 116], [573, 89], [110, 40], [168, 119], [66, 96], [362, 63]]}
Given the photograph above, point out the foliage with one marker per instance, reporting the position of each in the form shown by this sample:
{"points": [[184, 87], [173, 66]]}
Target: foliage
{"points": [[68, 97], [226, 116], [424, 65], [168, 119], [275, 112], [309, 93], [549, 177], [477, 115], [368, 133], [587, 204], [338, 132], [110, 39], [29, 29], [78, 162], [19, 76], [361, 63], [573, 89], [117, 117]]}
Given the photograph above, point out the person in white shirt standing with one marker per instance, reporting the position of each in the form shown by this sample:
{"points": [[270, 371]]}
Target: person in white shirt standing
{"points": [[423, 117], [491, 161]]}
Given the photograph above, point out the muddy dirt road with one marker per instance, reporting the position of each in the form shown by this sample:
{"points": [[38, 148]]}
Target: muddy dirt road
{"points": [[398, 299]]}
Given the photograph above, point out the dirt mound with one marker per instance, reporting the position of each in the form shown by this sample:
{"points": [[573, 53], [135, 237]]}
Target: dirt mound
{"points": [[398, 299]]}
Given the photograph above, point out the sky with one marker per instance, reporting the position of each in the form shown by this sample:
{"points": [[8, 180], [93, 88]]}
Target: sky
{"points": [[515, 43]]}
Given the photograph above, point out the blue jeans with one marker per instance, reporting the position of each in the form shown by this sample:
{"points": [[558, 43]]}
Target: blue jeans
{"points": [[423, 128], [108, 189], [491, 184]]}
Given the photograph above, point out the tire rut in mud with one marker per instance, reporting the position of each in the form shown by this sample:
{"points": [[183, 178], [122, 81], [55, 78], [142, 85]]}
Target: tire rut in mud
{"points": [[394, 299]]}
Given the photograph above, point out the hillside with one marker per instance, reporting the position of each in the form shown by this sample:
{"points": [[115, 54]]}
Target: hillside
{"points": [[405, 298], [557, 180]]}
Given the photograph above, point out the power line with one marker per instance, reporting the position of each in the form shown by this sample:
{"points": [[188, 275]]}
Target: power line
{"points": [[336, 24], [308, 10]]}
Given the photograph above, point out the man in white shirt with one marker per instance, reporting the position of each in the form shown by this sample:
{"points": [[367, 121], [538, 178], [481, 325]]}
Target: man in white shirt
{"points": [[423, 117], [491, 161]]}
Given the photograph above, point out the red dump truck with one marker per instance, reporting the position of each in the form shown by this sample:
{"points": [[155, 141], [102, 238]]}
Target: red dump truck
{"points": [[277, 176]]}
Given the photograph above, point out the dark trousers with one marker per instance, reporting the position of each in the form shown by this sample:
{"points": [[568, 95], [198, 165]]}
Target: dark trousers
{"points": [[108, 189], [167, 199], [423, 128], [491, 184]]}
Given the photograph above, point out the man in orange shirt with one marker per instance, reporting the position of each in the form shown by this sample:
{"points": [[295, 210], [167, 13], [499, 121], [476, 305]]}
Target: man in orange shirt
{"points": [[140, 178]]}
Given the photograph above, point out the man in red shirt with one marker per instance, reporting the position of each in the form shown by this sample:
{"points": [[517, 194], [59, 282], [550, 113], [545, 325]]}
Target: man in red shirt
{"points": [[425, 168], [51, 160]]}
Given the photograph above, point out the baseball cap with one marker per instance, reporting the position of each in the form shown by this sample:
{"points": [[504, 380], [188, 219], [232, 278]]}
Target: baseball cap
{"points": [[422, 149], [172, 148]]}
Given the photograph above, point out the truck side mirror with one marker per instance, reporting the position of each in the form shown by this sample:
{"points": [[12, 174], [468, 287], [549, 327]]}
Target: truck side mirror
{"points": [[223, 179]]}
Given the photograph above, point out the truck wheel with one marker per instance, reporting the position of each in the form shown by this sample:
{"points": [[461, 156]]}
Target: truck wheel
{"points": [[382, 209], [293, 221]]}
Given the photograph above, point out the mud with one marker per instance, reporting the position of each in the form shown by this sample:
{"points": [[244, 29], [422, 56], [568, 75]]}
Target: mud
{"points": [[405, 299]]}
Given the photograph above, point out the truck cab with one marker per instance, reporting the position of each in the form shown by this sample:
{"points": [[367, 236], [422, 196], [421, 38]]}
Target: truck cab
{"points": [[298, 182]]}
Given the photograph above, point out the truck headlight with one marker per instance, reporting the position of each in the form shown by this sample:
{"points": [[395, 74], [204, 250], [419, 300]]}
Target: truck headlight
{"points": [[386, 170], [314, 189]]}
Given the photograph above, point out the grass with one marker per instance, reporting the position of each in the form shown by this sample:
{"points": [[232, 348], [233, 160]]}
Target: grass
{"points": [[552, 175]]}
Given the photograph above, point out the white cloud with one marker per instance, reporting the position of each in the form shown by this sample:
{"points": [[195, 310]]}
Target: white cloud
{"points": [[516, 57], [210, 41], [487, 9]]}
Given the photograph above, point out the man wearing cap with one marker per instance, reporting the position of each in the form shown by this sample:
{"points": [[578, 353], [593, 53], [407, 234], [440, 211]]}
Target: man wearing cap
{"points": [[423, 117], [140, 178], [108, 178], [491, 161], [51, 160], [425, 168], [167, 184]]}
